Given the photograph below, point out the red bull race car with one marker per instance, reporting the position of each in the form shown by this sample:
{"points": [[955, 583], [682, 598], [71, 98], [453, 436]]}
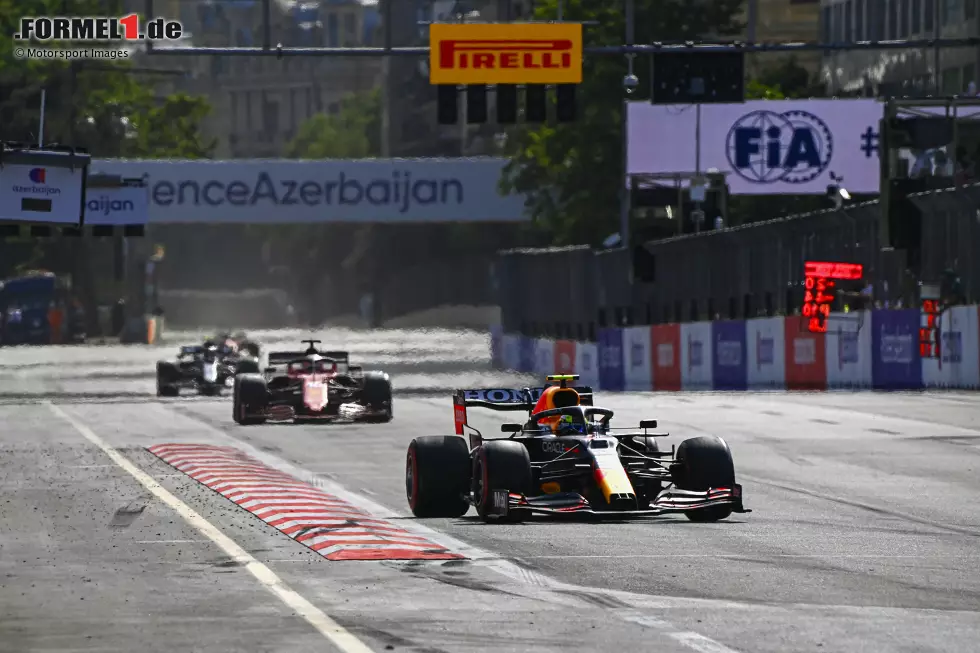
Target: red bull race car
{"points": [[312, 386], [566, 459]]}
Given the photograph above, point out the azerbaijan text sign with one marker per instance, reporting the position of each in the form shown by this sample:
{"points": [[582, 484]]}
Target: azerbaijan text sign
{"points": [[278, 191], [461, 53], [766, 146]]}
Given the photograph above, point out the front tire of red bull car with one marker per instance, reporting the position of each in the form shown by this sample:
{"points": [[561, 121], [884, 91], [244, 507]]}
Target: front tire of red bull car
{"points": [[500, 465], [704, 463]]}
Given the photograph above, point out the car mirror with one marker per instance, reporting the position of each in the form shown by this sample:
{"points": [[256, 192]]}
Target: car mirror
{"points": [[648, 423], [511, 428]]}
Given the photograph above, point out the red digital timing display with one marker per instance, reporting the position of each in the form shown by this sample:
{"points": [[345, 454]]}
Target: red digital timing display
{"points": [[928, 342], [821, 283]]}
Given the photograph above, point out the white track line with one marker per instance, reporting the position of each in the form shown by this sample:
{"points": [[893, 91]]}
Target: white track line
{"points": [[334, 632]]}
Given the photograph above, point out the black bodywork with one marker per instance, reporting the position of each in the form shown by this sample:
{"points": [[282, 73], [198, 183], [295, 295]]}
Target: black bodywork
{"points": [[601, 470], [205, 369], [312, 385]]}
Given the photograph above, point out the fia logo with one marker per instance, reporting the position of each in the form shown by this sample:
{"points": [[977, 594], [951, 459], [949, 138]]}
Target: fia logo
{"points": [[765, 147]]}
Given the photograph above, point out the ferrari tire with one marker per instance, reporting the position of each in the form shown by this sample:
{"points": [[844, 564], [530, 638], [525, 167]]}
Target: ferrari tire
{"points": [[251, 396], [437, 476], [376, 395], [500, 465], [704, 463]]}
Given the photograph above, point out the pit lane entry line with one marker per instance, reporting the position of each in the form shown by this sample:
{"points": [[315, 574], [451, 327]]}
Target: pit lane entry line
{"points": [[343, 639]]}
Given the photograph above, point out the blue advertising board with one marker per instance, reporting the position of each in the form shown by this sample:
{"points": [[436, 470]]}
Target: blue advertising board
{"points": [[612, 376], [729, 368], [527, 355], [895, 362]]}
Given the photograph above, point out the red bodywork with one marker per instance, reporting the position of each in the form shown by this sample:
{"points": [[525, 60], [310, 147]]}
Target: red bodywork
{"points": [[316, 377]]}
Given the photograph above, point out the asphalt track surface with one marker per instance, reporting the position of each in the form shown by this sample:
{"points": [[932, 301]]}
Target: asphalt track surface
{"points": [[865, 534]]}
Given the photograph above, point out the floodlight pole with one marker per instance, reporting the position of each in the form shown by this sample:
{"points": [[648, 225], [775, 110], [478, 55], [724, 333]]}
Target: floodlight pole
{"points": [[697, 167], [625, 194]]}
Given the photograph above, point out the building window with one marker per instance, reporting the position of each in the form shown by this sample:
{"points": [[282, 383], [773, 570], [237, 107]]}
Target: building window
{"points": [[859, 34], [952, 11], [903, 18], [350, 29], [916, 16], [848, 22], [334, 108], [838, 23], [969, 74], [951, 81], [892, 20], [826, 35], [233, 106], [928, 15], [970, 9], [248, 111], [333, 30]]}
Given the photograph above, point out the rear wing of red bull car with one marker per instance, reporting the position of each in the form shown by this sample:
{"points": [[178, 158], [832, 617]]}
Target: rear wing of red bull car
{"points": [[508, 399]]}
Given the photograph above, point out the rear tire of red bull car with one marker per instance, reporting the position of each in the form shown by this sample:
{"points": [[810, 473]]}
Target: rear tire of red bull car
{"points": [[704, 463], [437, 476]]}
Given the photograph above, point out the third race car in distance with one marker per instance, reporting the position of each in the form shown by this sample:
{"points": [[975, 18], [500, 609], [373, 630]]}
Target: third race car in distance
{"points": [[312, 385], [566, 458], [205, 369]]}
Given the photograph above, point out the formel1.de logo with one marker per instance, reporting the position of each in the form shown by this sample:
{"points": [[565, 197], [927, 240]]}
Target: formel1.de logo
{"points": [[765, 147]]}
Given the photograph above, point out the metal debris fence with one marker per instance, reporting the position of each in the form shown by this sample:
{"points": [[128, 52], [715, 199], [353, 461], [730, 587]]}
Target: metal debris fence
{"points": [[743, 272]]}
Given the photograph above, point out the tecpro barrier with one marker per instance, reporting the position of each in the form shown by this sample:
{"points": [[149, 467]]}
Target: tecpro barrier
{"points": [[867, 349]]}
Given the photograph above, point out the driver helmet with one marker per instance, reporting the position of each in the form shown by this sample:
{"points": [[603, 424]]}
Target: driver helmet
{"points": [[555, 397], [568, 426]]}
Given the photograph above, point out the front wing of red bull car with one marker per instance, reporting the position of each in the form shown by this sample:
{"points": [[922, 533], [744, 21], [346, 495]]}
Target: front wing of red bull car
{"points": [[592, 468]]}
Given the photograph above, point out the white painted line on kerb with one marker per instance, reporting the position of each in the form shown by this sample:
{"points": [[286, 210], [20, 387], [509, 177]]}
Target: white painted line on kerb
{"points": [[695, 641], [337, 634]]}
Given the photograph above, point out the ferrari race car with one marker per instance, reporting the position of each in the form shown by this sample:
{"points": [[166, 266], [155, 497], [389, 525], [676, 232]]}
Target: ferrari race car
{"points": [[204, 368], [566, 458], [312, 385]]}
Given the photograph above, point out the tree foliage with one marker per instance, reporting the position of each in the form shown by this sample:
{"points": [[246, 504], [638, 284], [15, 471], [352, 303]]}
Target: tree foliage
{"points": [[106, 106], [354, 132], [572, 173]]}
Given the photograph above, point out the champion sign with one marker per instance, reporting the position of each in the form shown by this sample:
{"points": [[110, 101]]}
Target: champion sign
{"points": [[766, 146], [281, 191]]}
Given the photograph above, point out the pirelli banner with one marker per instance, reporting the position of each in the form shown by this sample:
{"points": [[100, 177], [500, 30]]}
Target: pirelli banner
{"points": [[509, 53]]}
